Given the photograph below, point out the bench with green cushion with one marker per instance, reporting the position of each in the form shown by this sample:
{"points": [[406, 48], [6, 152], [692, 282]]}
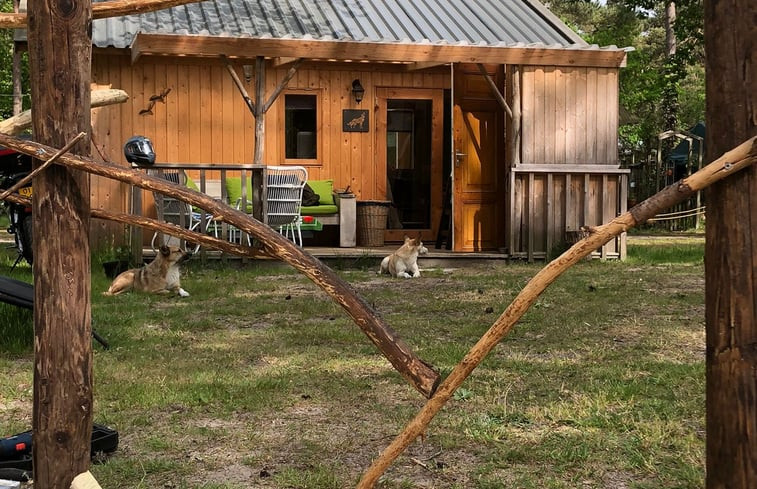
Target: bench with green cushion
{"points": [[334, 209], [326, 204]]}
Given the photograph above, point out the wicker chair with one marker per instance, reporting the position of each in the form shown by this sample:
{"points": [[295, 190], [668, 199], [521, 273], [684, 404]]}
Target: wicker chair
{"points": [[284, 199]]}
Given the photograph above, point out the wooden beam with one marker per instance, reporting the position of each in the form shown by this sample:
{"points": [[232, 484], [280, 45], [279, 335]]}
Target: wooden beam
{"points": [[418, 65], [495, 90], [167, 44], [23, 121], [282, 85], [283, 61], [102, 10], [243, 91]]}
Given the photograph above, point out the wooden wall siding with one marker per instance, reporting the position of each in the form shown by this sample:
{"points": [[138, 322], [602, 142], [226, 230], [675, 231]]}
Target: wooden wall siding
{"points": [[570, 115], [205, 120], [548, 205]]}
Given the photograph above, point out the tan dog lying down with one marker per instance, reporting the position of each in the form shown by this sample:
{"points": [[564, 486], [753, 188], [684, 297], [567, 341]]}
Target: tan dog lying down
{"points": [[404, 261], [161, 276]]}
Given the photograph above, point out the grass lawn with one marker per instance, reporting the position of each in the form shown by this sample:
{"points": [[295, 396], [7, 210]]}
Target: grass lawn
{"points": [[259, 380]]}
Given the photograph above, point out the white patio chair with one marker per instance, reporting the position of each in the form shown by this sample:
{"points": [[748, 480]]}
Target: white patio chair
{"points": [[284, 199]]}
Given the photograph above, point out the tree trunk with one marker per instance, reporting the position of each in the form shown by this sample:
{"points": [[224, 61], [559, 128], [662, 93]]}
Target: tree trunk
{"points": [[670, 91], [18, 103], [60, 52], [731, 249]]}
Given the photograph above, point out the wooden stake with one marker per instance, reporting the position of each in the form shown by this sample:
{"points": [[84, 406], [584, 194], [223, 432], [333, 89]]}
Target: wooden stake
{"points": [[731, 162], [421, 375]]}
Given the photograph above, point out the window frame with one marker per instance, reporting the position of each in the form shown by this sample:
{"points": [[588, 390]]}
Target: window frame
{"points": [[318, 93]]}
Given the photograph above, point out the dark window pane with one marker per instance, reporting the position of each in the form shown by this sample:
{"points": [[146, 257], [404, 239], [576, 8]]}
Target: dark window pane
{"points": [[301, 122]]}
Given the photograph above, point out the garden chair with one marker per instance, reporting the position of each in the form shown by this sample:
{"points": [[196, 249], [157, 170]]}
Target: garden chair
{"points": [[284, 199], [178, 212]]}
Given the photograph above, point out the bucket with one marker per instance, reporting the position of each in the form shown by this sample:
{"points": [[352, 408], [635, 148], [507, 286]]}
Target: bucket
{"points": [[371, 222]]}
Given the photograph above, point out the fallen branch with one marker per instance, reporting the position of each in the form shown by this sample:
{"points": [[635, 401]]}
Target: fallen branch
{"points": [[731, 162], [102, 10], [421, 375], [99, 98]]}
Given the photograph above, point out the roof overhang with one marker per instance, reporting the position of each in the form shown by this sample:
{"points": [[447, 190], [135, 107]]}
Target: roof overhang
{"points": [[247, 48]]}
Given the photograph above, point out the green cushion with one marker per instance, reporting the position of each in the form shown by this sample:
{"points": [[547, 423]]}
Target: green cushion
{"points": [[191, 184], [324, 189], [319, 210], [234, 191]]}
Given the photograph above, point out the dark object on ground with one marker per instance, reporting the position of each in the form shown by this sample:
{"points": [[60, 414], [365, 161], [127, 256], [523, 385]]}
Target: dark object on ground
{"points": [[21, 294], [16, 458]]}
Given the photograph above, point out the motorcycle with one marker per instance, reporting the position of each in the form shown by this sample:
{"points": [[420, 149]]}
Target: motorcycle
{"points": [[13, 167]]}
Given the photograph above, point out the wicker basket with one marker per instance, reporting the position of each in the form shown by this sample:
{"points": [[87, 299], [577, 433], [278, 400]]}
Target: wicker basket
{"points": [[371, 222]]}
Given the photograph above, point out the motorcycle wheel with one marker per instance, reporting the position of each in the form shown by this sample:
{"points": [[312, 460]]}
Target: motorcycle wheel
{"points": [[24, 238]]}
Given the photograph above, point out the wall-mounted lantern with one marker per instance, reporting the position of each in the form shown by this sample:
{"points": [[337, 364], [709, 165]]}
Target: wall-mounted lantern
{"points": [[357, 90]]}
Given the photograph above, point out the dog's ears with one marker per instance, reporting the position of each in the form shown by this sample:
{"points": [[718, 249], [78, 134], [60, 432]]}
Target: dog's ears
{"points": [[417, 241], [165, 250]]}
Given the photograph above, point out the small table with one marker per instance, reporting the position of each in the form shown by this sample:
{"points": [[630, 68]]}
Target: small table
{"points": [[314, 225]]}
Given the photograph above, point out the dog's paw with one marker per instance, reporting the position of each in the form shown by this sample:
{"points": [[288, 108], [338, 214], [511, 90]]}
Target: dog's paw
{"points": [[183, 293], [405, 275]]}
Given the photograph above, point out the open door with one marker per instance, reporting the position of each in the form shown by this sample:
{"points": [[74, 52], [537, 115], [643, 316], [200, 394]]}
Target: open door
{"points": [[409, 154], [478, 199]]}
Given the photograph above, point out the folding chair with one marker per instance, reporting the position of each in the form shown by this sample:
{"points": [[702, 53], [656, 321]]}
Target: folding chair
{"points": [[284, 199], [177, 212]]}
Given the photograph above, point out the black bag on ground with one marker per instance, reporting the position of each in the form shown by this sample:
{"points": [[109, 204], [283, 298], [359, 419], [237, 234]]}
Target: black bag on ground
{"points": [[309, 197]]}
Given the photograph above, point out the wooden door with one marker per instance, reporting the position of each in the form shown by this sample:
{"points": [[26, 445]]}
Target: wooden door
{"points": [[408, 164], [478, 199]]}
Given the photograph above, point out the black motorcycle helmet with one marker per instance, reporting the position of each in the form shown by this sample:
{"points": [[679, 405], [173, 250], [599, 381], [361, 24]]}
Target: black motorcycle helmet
{"points": [[138, 149]]}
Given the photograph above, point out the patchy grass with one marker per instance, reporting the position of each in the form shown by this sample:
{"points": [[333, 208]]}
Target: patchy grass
{"points": [[260, 380]]}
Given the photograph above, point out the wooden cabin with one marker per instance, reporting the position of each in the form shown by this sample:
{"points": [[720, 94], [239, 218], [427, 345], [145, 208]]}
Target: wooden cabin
{"points": [[488, 125]]}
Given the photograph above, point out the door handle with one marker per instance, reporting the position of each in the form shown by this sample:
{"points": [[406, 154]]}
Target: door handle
{"points": [[458, 157]]}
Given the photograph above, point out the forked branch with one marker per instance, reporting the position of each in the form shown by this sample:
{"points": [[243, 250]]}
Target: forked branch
{"points": [[731, 162]]}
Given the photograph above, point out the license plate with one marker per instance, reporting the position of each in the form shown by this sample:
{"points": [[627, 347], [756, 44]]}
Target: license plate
{"points": [[25, 191]]}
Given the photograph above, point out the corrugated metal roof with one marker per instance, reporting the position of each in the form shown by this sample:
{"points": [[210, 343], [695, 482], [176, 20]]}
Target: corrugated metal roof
{"points": [[472, 22]]}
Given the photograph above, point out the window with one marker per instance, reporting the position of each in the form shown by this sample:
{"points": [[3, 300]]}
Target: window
{"points": [[301, 126]]}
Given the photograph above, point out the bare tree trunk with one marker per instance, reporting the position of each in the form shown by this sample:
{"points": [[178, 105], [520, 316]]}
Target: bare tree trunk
{"points": [[670, 91], [60, 52], [731, 249], [18, 104]]}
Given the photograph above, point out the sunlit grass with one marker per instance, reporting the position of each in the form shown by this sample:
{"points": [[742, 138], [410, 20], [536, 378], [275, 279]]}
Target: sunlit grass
{"points": [[259, 380]]}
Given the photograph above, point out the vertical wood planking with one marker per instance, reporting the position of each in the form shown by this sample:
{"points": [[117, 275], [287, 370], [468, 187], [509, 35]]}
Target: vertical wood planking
{"points": [[612, 116], [592, 109], [530, 217], [541, 108], [527, 116], [622, 250], [560, 115], [570, 208], [607, 209], [549, 116], [550, 225]]}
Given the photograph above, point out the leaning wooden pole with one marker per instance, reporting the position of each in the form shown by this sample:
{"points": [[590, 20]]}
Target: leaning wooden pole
{"points": [[421, 375], [60, 87], [728, 164]]}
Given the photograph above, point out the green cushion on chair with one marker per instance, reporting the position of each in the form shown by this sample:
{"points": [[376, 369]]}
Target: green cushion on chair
{"points": [[319, 210], [324, 189], [234, 191]]}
